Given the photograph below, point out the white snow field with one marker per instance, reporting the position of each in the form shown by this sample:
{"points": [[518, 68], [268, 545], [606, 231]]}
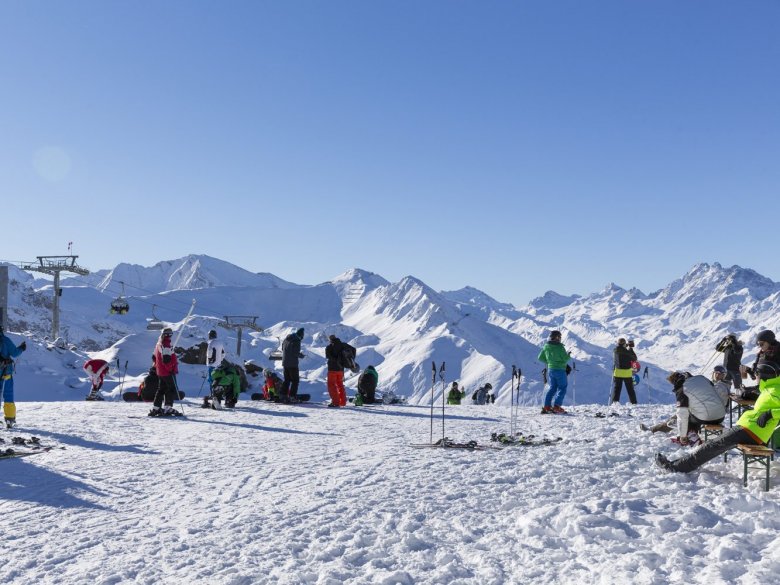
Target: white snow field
{"points": [[306, 494]]}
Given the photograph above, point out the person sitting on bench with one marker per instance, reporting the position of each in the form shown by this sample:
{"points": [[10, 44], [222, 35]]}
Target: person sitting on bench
{"points": [[754, 427]]}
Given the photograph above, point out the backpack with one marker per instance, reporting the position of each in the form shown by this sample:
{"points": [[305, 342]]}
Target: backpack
{"points": [[347, 357]]}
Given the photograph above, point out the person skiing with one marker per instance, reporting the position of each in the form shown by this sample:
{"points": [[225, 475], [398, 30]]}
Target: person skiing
{"points": [[226, 386], [338, 395], [555, 356], [755, 426], [482, 394], [8, 351], [96, 370], [367, 383], [167, 366], [622, 356], [455, 395], [215, 353], [291, 352], [732, 358]]}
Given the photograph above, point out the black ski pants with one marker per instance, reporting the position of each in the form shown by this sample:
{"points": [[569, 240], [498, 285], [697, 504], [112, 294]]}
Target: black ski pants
{"points": [[711, 449], [290, 384], [617, 384], [166, 389]]}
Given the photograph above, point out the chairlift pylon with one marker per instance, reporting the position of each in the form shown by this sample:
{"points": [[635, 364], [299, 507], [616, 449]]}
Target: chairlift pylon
{"points": [[120, 306]]}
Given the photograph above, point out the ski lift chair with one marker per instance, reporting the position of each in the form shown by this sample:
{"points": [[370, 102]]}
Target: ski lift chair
{"points": [[276, 355], [119, 306], [154, 324]]}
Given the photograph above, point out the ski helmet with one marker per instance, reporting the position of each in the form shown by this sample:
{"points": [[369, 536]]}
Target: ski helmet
{"points": [[765, 335], [622, 341], [719, 370], [167, 332], [489, 386], [212, 334], [555, 334]]}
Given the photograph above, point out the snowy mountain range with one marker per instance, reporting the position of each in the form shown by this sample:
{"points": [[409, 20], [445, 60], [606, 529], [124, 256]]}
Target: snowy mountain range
{"points": [[400, 327]]}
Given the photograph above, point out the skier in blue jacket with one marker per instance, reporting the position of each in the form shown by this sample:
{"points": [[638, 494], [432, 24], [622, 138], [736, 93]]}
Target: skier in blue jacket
{"points": [[9, 351]]}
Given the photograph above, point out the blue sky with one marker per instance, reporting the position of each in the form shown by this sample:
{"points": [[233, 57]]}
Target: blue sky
{"points": [[514, 146]]}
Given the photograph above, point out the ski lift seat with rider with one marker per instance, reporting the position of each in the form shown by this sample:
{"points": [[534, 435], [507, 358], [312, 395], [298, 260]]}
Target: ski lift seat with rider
{"points": [[120, 306]]}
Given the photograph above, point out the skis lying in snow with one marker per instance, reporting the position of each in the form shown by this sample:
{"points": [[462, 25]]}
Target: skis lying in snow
{"points": [[519, 439], [447, 443], [23, 447]]}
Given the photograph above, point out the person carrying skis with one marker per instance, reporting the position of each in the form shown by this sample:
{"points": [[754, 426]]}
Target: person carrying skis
{"points": [[8, 351], [215, 353], [556, 357], [367, 383], [732, 358], [291, 352], [455, 395], [755, 426], [338, 395], [96, 370], [167, 366], [623, 373], [226, 386]]}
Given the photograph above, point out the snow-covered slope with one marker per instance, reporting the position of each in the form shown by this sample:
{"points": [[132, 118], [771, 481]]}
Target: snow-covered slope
{"points": [[292, 495]]}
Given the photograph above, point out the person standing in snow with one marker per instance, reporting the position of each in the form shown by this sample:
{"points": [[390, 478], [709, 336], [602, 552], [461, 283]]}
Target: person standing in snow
{"points": [[555, 356], [482, 395], [732, 358], [96, 370], [291, 352], [8, 351], [215, 353], [455, 395], [167, 366], [754, 426], [623, 373], [338, 395]]}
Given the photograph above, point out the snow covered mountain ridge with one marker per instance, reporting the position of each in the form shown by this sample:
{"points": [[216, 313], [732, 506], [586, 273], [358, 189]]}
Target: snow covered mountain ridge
{"points": [[402, 327]]}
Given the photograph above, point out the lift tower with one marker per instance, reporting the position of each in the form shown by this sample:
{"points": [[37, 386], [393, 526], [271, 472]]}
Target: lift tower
{"points": [[53, 265]]}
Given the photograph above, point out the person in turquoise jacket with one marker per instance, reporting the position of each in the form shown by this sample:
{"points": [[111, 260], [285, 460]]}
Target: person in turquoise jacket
{"points": [[754, 426], [555, 356]]}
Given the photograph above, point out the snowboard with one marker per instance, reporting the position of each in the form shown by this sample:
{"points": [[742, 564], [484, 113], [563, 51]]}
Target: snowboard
{"points": [[134, 397], [300, 397]]}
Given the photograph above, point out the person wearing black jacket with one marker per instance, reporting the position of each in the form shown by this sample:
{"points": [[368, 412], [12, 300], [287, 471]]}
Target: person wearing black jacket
{"points": [[291, 352], [732, 358], [367, 383], [623, 374], [338, 395]]}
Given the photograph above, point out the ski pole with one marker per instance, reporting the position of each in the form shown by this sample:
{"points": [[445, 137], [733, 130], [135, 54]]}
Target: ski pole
{"points": [[517, 405], [709, 361], [441, 380], [433, 387], [122, 378], [178, 396], [512, 403], [574, 383], [201, 385]]}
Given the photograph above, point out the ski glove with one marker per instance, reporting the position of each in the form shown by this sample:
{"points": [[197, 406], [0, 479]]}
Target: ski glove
{"points": [[568, 369], [23, 345], [764, 418]]}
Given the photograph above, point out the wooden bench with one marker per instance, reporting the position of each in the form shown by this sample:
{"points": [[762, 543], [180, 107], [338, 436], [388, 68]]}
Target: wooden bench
{"points": [[740, 405], [711, 430], [756, 454]]}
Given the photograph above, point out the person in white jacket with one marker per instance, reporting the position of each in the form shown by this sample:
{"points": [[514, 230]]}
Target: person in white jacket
{"points": [[215, 353], [699, 402]]}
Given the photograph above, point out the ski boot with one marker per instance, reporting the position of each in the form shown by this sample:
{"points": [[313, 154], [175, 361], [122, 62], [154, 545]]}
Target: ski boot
{"points": [[10, 423]]}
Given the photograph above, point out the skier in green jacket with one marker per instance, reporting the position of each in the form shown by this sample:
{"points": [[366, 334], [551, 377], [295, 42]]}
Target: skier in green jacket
{"points": [[557, 359], [455, 394], [225, 385]]}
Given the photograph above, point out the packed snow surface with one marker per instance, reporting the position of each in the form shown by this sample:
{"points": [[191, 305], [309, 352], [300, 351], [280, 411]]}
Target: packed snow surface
{"points": [[298, 494]]}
